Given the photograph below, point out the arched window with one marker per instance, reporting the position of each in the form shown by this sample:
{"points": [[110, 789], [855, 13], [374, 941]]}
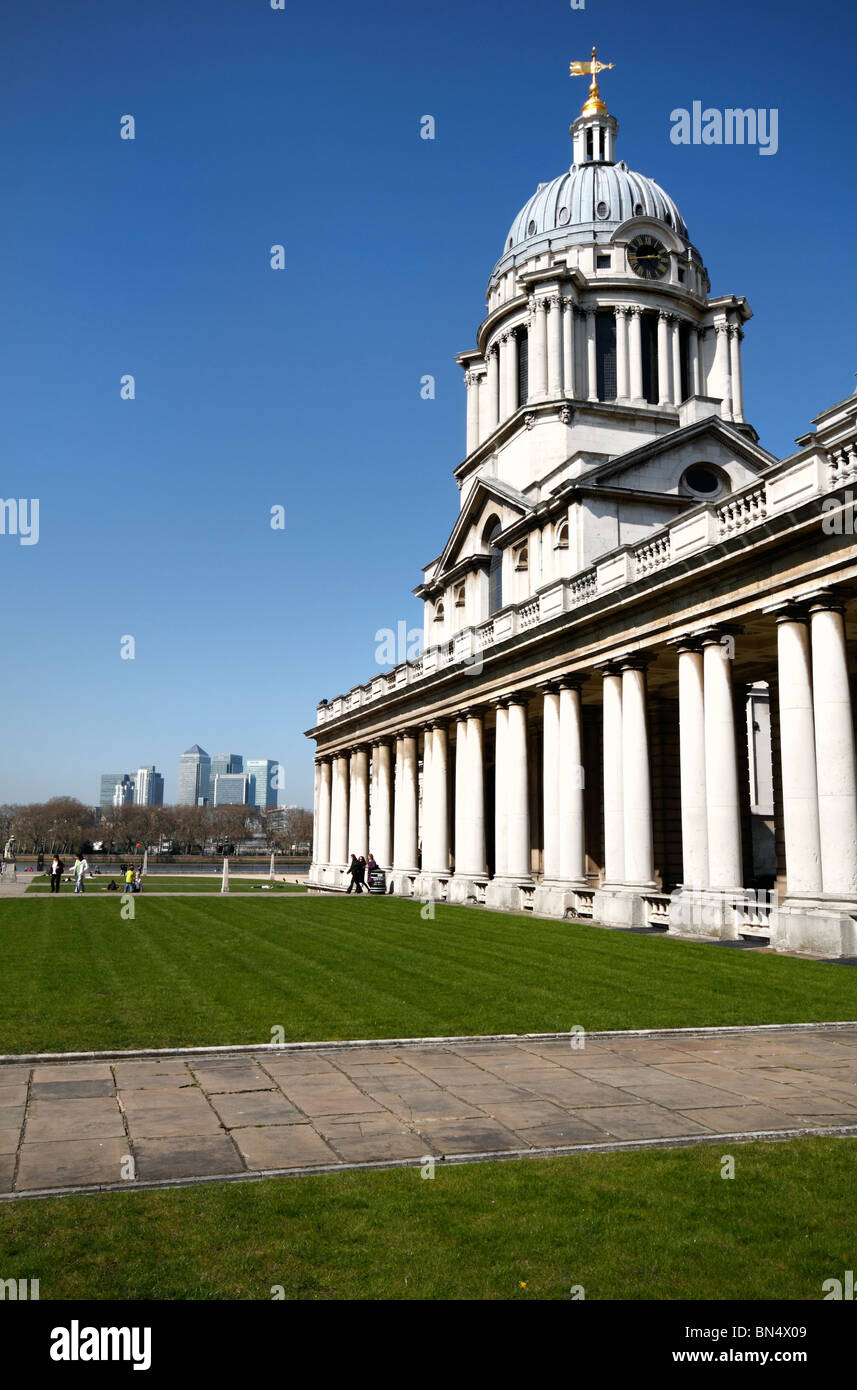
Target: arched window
{"points": [[438, 612], [522, 557], [459, 596], [562, 536], [495, 567]]}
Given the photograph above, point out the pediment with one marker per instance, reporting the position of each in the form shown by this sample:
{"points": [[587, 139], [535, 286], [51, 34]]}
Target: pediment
{"points": [[487, 496]]}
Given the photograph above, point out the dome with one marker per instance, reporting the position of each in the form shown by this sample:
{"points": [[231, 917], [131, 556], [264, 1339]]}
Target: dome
{"points": [[589, 198]]}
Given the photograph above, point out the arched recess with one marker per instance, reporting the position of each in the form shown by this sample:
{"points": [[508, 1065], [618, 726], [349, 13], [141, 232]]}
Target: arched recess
{"points": [[490, 533]]}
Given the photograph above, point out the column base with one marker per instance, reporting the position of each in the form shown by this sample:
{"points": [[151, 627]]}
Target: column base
{"points": [[327, 875], [558, 897], [622, 904], [706, 912], [402, 881], [507, 893], [462, 889], [818, 926], [430, 885]]}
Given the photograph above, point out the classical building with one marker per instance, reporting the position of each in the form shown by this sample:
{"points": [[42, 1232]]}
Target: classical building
{"points": [[635, 699]]}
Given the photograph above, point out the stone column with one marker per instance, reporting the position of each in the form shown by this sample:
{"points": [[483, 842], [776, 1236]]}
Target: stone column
{"points": [[555, 347], [797, 752], [834, 749], [636, 355], [500, 794], [721, 373], [518, 864], [721, 767], [436, 806], [735, 339], [623, 386], [406, 801], [339, 853], [636, 777], [614, 819], [694, 366], [358, 804], [322, 845], [591, 360], [489, 423], [568, 347], [381, 805], [471, 381], [664, 397], [469, 806], [675, 337], [694, 806], [538, 350], [551, 780], [572, 839]]}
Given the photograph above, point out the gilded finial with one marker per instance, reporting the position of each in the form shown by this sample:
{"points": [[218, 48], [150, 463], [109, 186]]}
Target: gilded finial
{"points": [[593, 104]]}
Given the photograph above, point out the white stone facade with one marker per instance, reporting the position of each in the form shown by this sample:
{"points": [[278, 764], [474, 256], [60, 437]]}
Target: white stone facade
{"points": [[635, 700]]}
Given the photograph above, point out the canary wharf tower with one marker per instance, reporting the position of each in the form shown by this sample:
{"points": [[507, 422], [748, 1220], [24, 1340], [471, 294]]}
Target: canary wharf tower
{"points": [[635, 699]]}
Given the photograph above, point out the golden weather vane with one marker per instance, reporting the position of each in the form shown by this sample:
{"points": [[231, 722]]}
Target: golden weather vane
{"points": [[593, 101]]}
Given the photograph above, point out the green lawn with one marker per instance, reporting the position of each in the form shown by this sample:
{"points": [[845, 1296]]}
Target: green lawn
{"points": [[647, 1225], [192, 971], [170, 883]]}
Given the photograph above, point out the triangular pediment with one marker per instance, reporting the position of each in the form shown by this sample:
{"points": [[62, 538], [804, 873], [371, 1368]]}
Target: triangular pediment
{"points": [[656, 465], [487, 495]]}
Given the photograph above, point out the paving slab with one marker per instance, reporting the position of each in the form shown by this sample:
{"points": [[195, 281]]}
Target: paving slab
{"points": [[477, 1136], [744, 1119], [71, 1162], [14, 1075], [10, 1138], [7, 1171], [12, 1096], [215, 1077], [283, 1146], [56, 1119], [203, 1156], [72, 1071], [239, 1109], [171, 1072], [557, 1134], [168, 1113], [371, 1138], [70, 1090], [644, 1122]]}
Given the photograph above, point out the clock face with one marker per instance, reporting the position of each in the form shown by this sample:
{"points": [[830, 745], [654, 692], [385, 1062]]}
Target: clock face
{"points": [[648, 258]]}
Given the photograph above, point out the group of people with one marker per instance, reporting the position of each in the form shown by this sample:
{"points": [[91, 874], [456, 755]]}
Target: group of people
{"points": [[359, 870], [131, 877]]}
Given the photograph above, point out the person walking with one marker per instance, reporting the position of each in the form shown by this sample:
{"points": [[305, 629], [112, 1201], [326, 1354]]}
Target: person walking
{"points": [[361, 874], [354, 870], [57, 867], [129, 879], [81, 869]]}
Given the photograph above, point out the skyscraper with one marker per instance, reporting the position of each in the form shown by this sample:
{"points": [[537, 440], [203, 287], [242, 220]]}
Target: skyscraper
{"points": [[123, 791], [225, 763], [231, 789], [149, 789], [194, 777], [109, 782], [262, 772]]}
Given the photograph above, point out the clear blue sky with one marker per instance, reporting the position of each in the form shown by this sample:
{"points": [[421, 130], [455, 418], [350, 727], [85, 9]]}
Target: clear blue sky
{"points": [[301, 387]]}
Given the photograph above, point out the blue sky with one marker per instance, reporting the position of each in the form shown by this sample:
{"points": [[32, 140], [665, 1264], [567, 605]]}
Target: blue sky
{"points": [[300, 388]]}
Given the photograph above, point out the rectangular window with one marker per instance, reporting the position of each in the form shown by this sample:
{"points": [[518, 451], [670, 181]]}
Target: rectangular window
{"points": [[589, 144], [649, 336], [523, 367], [602, 262], [684, 354], [605, 355]]}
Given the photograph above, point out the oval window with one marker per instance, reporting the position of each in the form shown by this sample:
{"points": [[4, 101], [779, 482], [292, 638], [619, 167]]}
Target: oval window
{"points": [[638, 209], [703, 480], [531, 229], [563, 216], [602, 210]]}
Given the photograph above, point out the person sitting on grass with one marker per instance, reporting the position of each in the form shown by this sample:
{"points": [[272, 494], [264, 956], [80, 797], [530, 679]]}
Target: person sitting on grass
{"points": [[112, 887]]}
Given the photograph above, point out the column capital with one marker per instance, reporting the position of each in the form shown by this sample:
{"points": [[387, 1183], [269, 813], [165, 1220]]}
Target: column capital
{"points": [[826, 600], [621, 310], [549, 687], [713, 636], [468, 712], [687, 642], [787, 611], [385, 741]]}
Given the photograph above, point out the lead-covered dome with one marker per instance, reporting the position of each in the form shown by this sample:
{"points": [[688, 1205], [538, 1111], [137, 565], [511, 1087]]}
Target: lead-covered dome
{"points": [[590, 198]]}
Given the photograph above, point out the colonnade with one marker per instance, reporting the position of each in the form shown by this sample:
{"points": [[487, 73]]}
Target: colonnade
{"points": [[563, 364], [356, 811]]}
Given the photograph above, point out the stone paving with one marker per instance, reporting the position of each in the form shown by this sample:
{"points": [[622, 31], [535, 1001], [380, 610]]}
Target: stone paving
{"points": [[66, 1125]]}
